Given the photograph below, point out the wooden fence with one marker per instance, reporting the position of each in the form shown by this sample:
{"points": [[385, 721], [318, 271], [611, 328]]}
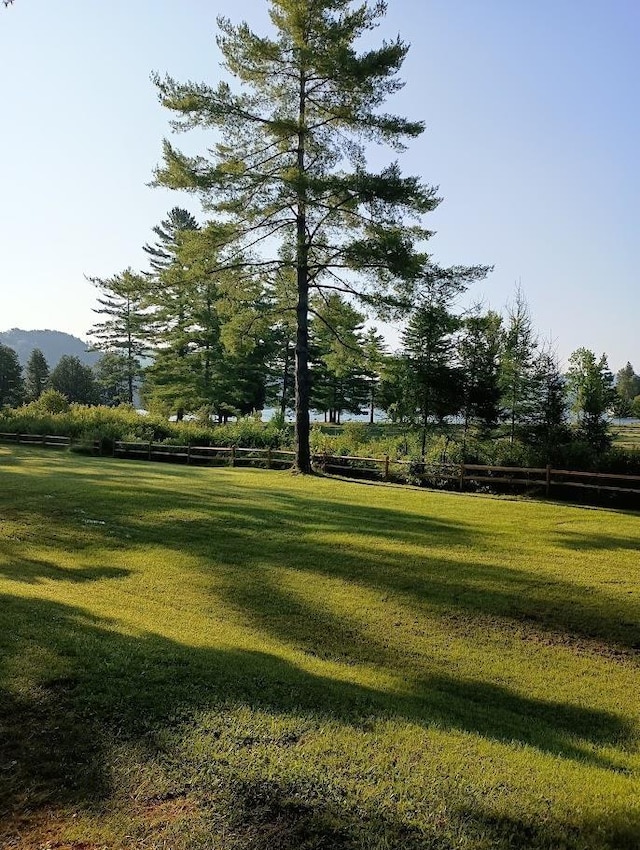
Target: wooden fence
{"points": [[548, 478], [205, 455], [48, 440], [450, 476]]}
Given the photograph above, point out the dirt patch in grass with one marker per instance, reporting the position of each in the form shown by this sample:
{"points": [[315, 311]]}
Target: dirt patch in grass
{"points": [[42, 831], [166, 809], [150, 820], [580, 645]]}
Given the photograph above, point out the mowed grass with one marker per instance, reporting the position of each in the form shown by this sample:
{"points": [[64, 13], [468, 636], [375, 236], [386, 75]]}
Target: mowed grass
{"points": [[200, 658], [626, 435]]}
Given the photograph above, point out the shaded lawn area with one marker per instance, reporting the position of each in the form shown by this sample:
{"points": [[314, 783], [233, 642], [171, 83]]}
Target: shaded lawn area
{"points": [[194, 658]]}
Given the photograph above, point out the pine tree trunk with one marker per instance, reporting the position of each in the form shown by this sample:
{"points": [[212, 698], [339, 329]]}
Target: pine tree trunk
{"points": [[129, 355], [303, 384], [130, 387], [303, 455], [425, 421], [424, 437], [514, 400], [285, 382]]}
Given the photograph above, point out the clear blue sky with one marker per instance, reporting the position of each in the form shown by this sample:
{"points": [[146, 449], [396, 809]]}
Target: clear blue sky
{"points": [[533, 135]]}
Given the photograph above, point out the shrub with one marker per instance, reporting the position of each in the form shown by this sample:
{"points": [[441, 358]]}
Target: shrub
{"points": [[51, 401], [355, 434]]}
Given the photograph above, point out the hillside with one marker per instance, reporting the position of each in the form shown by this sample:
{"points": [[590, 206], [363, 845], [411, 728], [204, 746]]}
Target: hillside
{"points": [[53, 344]]}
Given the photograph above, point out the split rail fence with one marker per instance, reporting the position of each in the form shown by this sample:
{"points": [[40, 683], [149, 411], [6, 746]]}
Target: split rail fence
{"points": [[446, 476]]}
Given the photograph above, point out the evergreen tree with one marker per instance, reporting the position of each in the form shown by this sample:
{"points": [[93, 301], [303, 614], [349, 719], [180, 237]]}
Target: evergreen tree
{"points": [[162, 253], [591, 385], [375, 356], [209, 351], [290, 162], [628, 383], [547, 427], [478, 357], [113, 373], [274, 311], [11, 380], [396, 395], [517, 365], [429, 347], [37, 375], [177, 291], [622, 408], [74, 380], [123, 331], [338, 382]]}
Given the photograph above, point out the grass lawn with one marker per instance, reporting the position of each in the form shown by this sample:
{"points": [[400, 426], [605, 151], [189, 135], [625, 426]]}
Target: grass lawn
{"points": [[626, 436], [225, 659]]}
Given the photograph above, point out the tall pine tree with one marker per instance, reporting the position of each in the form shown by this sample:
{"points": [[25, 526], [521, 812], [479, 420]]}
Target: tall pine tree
{"points": [[122, 330], [11, 380], [478, 354], [289, 164], [590, 384], [517, 370], [36, 376], [429, 347]]}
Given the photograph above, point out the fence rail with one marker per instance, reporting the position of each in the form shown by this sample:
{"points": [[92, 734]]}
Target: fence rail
{"points": [[48, 440], [228, 455], [461, 476]]}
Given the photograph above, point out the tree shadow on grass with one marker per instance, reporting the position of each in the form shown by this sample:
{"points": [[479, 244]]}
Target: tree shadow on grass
{"points": [[59, 729], [37, 570], [272, 815], [387, 550], [123, 498], [580, 541], [290, 536], [615, 829]]}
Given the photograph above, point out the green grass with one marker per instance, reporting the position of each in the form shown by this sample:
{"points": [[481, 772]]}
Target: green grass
{"points": [[197, 658], [626, 436]]}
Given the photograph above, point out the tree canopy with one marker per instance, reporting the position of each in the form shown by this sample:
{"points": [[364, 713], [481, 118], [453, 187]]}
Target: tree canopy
{"points": [[11, 380], [74, 380], [288, 167]]}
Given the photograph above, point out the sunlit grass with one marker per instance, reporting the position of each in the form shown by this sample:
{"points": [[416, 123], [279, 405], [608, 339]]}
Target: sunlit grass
{"points": [[626, 435], [196, 658]]}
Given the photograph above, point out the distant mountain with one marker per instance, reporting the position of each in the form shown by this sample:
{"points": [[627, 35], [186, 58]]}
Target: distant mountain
{"points": [[53, 344]]}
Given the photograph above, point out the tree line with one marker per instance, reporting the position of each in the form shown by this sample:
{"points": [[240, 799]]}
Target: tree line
{"points": [[220, 348], [265, 301], [71, 380], [487, 373]]}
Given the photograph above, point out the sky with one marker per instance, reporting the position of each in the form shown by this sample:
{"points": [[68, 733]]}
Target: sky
{"points": [[533, 134]]}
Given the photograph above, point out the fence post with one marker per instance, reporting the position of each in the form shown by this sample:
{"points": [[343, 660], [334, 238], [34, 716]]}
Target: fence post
{"points": [[386, 467], [233, 455], [149, 453], [461, 477], [548, 482], [269, 458], [188, 454]]}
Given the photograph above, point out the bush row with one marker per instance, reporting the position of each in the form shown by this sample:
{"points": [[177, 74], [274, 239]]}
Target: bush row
{"points": [[106, 424]]}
